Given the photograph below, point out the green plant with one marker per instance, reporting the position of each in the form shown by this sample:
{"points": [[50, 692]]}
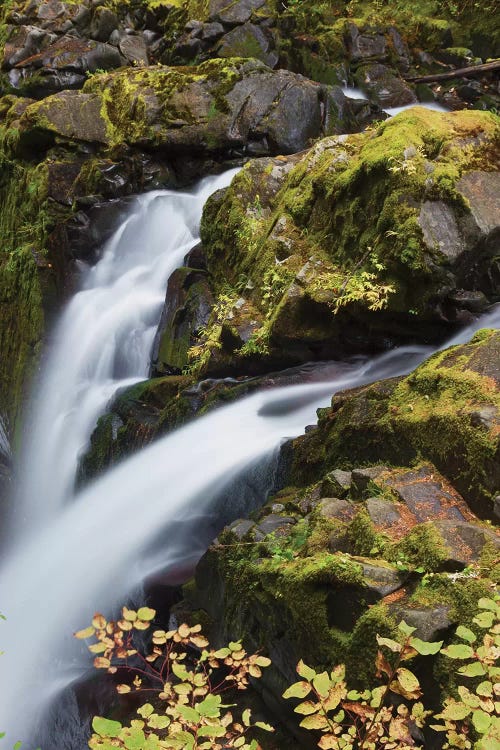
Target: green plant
{"points": [[368, 720], [477, 708], [185, 681]]}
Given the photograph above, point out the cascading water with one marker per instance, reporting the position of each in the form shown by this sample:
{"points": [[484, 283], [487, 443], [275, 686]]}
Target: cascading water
{"points": [[89, 553], [103, 341]]}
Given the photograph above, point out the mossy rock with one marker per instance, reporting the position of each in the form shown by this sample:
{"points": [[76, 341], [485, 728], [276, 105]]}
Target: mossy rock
{"points": [[220, 106], [344, 251], [446, 411]]}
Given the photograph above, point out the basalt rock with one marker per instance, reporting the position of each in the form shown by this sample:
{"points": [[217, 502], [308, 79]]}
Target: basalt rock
{"points": [[447, 411], [222, 106], [366, 240]]}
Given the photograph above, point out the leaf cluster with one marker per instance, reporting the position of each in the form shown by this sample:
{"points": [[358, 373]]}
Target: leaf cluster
{"points": [[185, 681], [477, 708], [374, 719]]}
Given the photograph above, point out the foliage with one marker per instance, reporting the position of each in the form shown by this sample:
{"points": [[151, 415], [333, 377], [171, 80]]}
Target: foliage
{"points": [[478, 706], [209, 335], [351, 720], [185, 681]]}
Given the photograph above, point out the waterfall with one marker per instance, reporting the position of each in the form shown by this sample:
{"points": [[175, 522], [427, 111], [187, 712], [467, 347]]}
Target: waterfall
{"points": [[70, 559], [103, 341]]}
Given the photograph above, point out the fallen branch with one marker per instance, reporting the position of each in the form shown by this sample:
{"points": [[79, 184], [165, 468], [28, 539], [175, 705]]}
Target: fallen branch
{"points": [[469, 72]]}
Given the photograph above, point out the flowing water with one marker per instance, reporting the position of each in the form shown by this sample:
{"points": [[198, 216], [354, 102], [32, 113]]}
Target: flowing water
{"points": [[103, 340], [71, 558]]}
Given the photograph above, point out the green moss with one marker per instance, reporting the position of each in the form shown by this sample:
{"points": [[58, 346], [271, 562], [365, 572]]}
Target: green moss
{"points": [[422, 547], [24, 226], [429, 415], [360, 657], [362, 537]]}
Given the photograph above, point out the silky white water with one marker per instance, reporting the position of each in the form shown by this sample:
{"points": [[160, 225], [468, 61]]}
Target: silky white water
{"points": [[103, 341], [88, 554]]}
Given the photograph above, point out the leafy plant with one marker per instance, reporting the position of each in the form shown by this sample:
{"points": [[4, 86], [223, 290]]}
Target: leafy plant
{"points": [[477, 709], [185, 681], [352, 720]]}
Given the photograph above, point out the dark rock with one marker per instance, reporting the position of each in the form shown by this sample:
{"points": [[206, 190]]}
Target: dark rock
{"points": [[364, 46], [383, 513], [465, 541], [211, 32], [233, 13], [273, 524], [62, 64], [70, 114], [431, 623], [103, 23], [241, 527], [346, 604], [249, 40], [383, 87], [337, 483], [134, 50], [332, 507], [496, 506], [187, 308], [426, 495], [361, 479]]}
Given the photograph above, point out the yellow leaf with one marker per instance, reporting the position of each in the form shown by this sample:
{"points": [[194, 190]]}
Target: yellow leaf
{"points": [[99, 622], [123, 689], [85, 633], [129, 614], [184, 630], [101, 663]]}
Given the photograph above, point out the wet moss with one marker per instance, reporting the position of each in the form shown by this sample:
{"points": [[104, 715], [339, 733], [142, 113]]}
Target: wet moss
{"points": [[433, 414]]}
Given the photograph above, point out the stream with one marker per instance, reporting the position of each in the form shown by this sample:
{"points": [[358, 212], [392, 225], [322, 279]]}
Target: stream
{"points": [[72, 554]]}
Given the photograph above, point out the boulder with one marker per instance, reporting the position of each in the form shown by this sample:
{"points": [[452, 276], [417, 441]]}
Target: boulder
{"points": [[423, 253], [249, 40], [222, 106], [187, 309], [445, 412]]}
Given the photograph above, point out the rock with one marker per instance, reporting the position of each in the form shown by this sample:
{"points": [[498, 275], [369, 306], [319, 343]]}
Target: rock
{"points": [[383, 87], [418, 416], [337, 483], [383, 513], [134, 50], [427, 495], [465, 542], [249, 40], [440, 229], [233, 13], [241, 527], [435, 283], [103, 23], [482, 191], [62, 64], [363, 46], [496, 506], [221, 106], [431, 623], [345, 604], [187, 309], [273, 524], [362, 478], [332, 507], [70, 114]]}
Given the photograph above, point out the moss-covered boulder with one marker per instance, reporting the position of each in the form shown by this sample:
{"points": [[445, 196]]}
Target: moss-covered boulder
{"points": [[221, 106], [447, 411], [279, 581], [368, 534], [367, 240]]}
